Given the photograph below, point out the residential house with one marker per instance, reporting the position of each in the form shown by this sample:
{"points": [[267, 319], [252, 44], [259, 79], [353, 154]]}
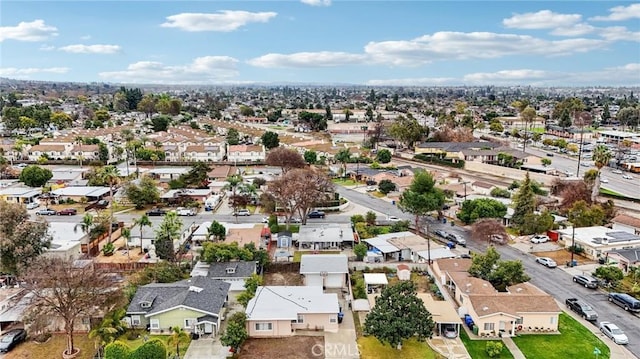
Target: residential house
{"points": [[177, 196], [453, 150], [195, 305], [20, 194], [246, 153], [241, 233], [626, 223], [167, 174], [522, 308], [53, 152], [406, 246], [278, 311], [235, 273], [221, 173], [66, 240], [9, 296], [203, 153], [625, 259], [325, 236], [85, 152], [80, 193], [598, 240], [325, 270]]}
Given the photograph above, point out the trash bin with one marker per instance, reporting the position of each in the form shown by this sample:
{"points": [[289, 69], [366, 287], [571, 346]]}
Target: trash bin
{"points": [[574, 263], [444, 220]]}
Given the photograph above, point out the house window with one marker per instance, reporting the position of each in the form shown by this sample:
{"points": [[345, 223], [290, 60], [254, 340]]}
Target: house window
{"points": [[488, 326], [333, 319], [553, 320], [154, 323], [189, 322], [135, 320], [262, 327], [300, 318], [519, 321]]}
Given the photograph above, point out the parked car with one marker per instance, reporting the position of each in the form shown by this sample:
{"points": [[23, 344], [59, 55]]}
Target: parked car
{"points": [[586, 281], [457, 239], [441, 233], [182, 211], [549, 154], [581, 308], [102, 204], [265, 219], [540, 238], [33, 205], [629, 177], [68, 212], [618, 172], [625, 301], [604, 180], [11, 339], [156, 212], [546, 261], [243, 213], [46, 212], [449, 331], [372, 188], [612, 331], [393, 219], [316, 214]]}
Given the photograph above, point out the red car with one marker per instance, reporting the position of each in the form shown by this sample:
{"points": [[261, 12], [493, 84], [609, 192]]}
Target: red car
{"points": [[68, 212]]}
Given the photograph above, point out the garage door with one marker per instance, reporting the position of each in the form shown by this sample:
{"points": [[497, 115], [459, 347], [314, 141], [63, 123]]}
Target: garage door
{"points": [[334, 280], [313, 280]]}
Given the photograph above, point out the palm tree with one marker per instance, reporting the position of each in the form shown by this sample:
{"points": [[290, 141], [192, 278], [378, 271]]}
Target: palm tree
{"points": [[126, 233], [601, 158], [177, 335], [110, 328], [142, 222], [110, 175], [79, 140], [86, 226]]}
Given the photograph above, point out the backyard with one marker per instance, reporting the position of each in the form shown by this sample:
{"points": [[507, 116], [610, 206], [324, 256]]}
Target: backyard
{"points": [[575, 341], [371, 348]]}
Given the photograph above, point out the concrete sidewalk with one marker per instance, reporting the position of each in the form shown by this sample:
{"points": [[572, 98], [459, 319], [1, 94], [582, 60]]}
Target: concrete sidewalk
{"points": [[513, 348]]}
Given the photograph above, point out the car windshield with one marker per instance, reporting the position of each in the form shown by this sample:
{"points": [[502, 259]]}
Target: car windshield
{"points": [[616, 331], [6, 339], [586, 307]]}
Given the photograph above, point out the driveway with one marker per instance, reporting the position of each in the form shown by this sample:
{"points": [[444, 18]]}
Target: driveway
{"points": [[206, 349], [342, 345]]}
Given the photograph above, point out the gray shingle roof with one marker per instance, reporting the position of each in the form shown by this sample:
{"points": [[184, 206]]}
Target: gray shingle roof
{"points": [[240, 269], [200, 293], [330, 263]]}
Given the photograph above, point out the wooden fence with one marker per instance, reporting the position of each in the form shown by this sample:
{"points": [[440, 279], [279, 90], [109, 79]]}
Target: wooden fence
{"points": [[122, 267], [286, 267]]}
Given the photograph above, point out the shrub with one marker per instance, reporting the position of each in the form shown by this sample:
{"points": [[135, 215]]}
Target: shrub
{"points": [[494, 349], [117, 350], [499, 192], [421, 157], [357, 218], [153, 349]]}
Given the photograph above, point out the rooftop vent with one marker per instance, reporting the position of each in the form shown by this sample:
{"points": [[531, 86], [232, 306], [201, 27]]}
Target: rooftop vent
{"points": [[195, 289]]}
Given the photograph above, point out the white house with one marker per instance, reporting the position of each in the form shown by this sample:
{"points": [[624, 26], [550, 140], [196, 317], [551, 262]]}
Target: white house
{"points": [[246, 153], [327, 270], [598, 240], [66, 240], [626, 223]]}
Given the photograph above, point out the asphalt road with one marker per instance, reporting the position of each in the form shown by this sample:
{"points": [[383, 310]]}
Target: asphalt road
{"points": [[629, 188], [556, 282]]}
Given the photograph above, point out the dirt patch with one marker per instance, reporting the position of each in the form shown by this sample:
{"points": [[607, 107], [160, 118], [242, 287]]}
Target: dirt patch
{"points": [[296, 347], [563, 256], [283, 279]]}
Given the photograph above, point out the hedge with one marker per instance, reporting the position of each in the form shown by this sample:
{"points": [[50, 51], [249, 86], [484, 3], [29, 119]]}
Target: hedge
{"points": [[421, 157]]}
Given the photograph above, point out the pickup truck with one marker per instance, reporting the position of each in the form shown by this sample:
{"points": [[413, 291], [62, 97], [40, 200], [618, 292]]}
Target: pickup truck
{"points": [[582, 308]]}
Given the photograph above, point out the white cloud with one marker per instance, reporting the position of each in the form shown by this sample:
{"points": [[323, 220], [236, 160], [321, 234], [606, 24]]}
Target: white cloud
{"points": [[316, 2], [308, 59], [422, 81], [573, 30], [85, 37], [521, 76], [13, 71], [205, 69], [619, 33], [544, 19], [91, 49], [223, 21], [35, 30], [47, 48], [620, 13]]}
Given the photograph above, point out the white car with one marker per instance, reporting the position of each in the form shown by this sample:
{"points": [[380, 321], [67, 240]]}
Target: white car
{"points": [[604, 180], [627, 176], [618, 172], [182, 211], [546, 261], [612, 331], [540, 238], [33, 205], [242, 212], [393, 219]]}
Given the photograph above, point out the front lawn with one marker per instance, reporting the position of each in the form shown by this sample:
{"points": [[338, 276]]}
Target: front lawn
{"points": [[297, 256], [477, 348], [171, 349], [575, 341], [344, 181], [371, 348], [53, 348]]}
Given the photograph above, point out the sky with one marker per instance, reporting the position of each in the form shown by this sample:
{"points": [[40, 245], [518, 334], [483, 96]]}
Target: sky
{"points": [[375, 43]]}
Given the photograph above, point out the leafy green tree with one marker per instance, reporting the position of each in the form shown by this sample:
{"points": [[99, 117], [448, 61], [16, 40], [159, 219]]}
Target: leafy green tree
{"points": [[117, 350], [311, 157], [357, 218], [499, 192], [583, 215], [236, 332], [142, 222], [524, 202], [399, 315], [270, 140], [482, 264], [168, 231], [481, 208], [251, 284], [496, 126], [408, 130], [546, 162], [177, 335], [217, 231], [383, 156], [161, 272], [360, 250], [111, 327], [147, 105], [233, 137], [385, 186], [370, 218], [610, 274], [494, 349], [601, 158], [160, 123], [537, 223], [565, 119], [421, 197], [21, 239], [223, 252], [35, 176], [144, 193], [507, 273]]}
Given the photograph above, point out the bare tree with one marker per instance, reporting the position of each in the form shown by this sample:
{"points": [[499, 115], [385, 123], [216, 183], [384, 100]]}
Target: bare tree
{"points": [[490, 230], [65, 290], [299, 189], [285, 158]]}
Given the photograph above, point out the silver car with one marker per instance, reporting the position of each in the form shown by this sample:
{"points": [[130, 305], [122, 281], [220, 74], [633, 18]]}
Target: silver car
{"points": [[546, 261], [612, 331]]}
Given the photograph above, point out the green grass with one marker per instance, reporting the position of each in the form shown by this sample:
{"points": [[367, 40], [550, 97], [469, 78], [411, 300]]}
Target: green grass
{"points": [[476, 348], [344, 181], [371, 348], [298, 254], [278, 127], [608, 192], [575, 341], [53, 348], [538, 130], [378, 194], [293, 228], [171, 349]]}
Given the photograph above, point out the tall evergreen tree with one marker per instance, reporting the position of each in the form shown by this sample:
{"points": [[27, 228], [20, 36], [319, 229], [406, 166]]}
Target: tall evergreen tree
{"points": [[524, 202]]}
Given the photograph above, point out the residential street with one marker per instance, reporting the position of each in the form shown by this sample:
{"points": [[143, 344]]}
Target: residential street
{"points": [[557, 282]]}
